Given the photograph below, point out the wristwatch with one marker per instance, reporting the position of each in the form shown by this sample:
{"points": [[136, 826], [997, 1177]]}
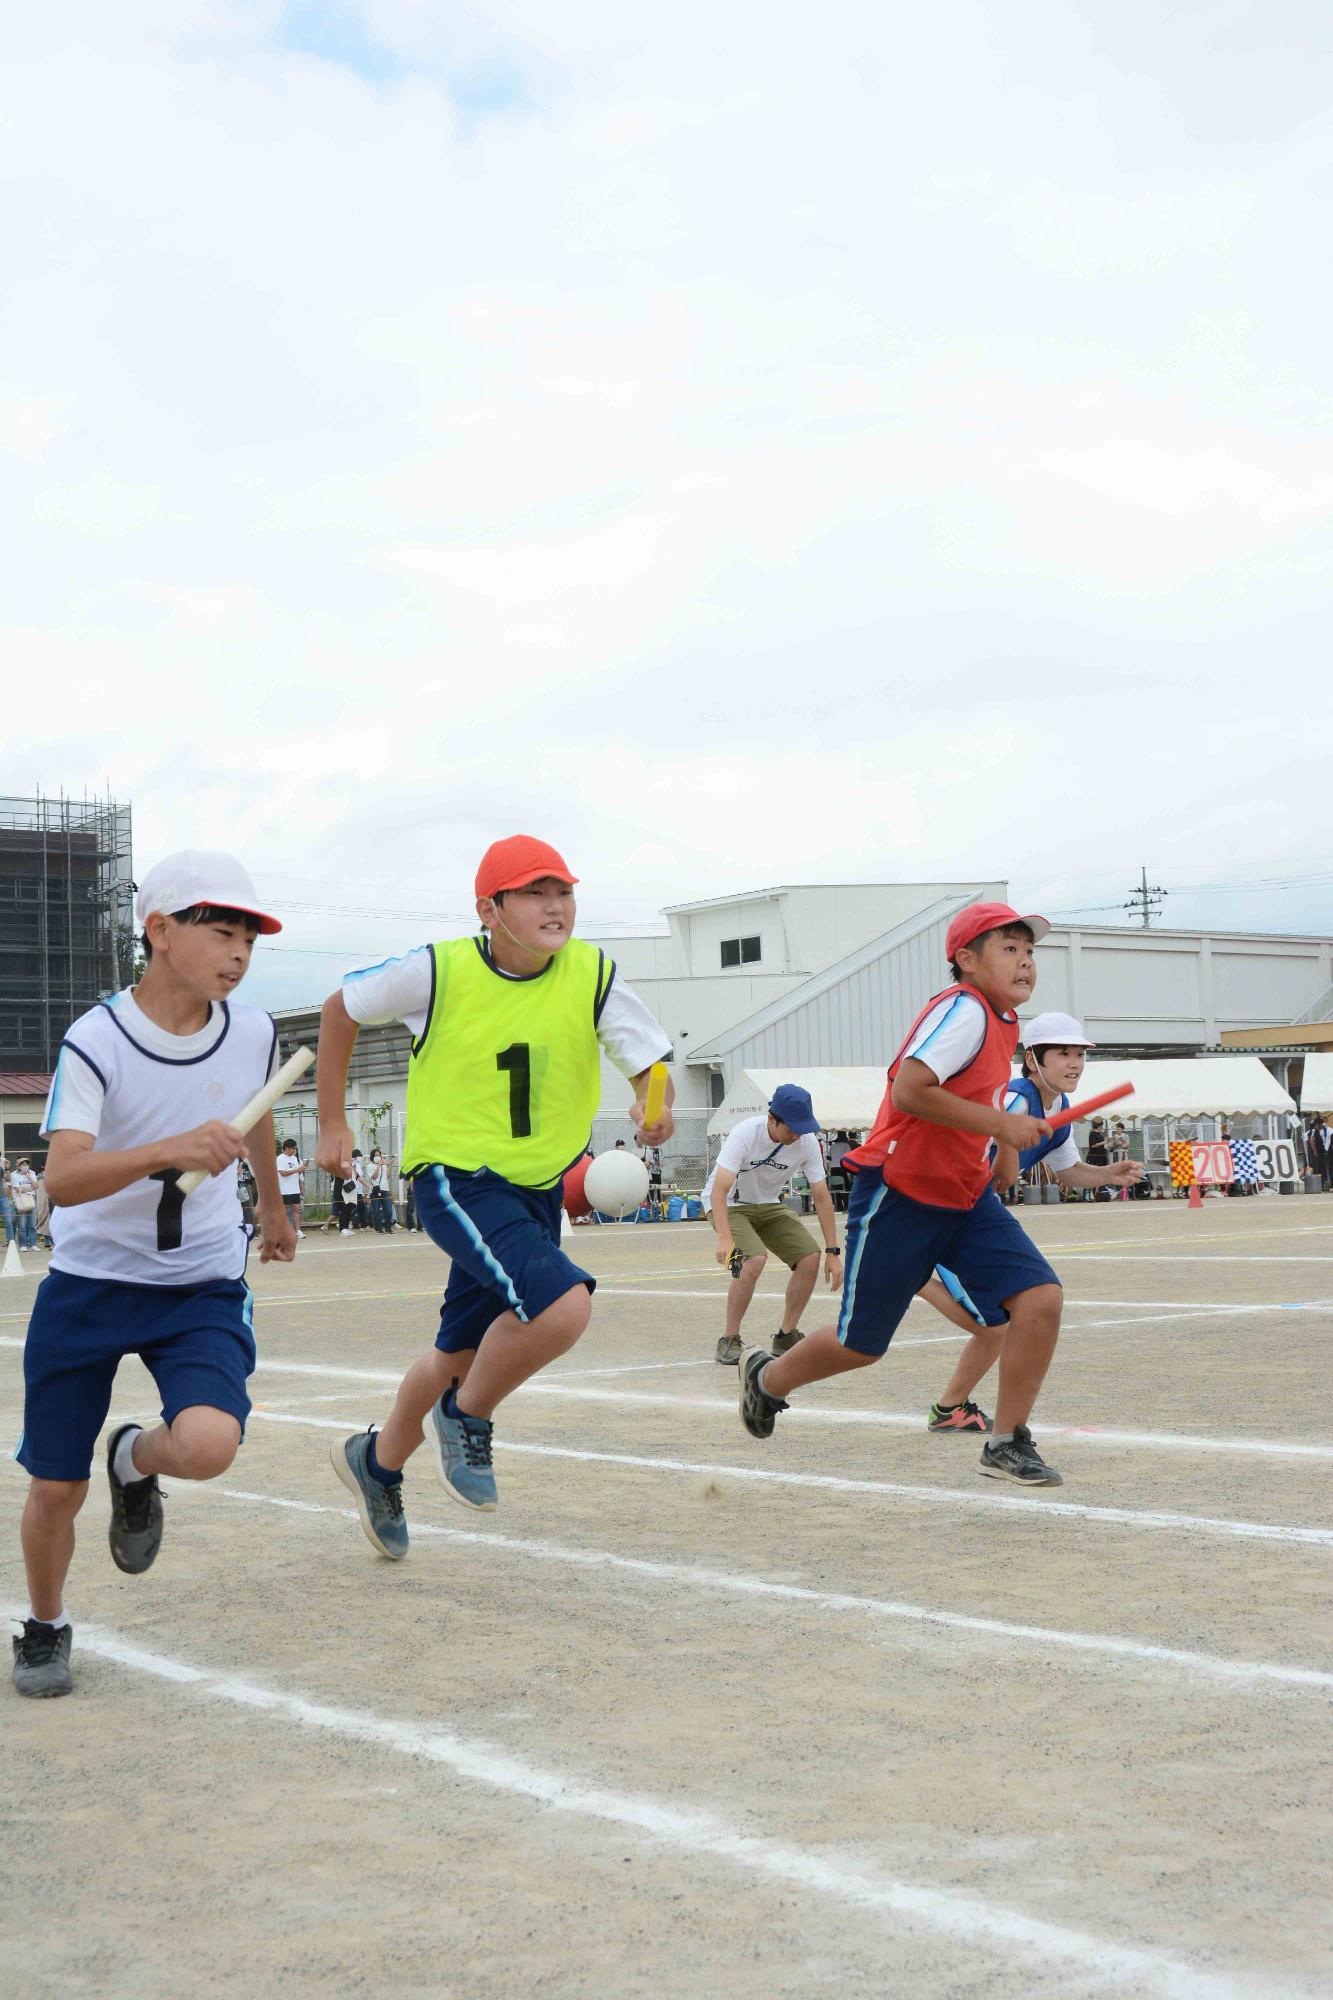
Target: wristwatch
{"points": [[833, 1249]]}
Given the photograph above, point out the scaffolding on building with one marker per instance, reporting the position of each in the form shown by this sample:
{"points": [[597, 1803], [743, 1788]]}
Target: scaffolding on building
{"points": [[66, 918]]}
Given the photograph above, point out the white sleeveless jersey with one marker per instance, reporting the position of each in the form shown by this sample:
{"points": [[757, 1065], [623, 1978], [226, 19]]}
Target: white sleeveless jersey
{"points": [[129, 1083]]}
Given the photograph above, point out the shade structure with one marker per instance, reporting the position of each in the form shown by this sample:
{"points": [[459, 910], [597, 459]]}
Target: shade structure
{"points": [[1317, 1083], [1186, 1087], [845, 1100]]}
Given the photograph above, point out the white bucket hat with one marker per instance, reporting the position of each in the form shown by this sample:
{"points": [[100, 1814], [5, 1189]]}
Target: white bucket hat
{"points": [[1055, 1031]]}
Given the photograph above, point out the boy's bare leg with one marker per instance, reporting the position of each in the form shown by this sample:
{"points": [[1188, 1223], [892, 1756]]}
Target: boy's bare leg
{"points": [[47, 1534], [740, 1291], [198, 1444], [510, 1351], [978, 1357], [1029, 1343], [418, 1392], [813, 1359], [799, 1287]]}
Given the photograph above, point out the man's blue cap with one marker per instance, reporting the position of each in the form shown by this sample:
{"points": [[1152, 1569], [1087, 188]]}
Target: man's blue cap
{"points": [[792, 1106]]}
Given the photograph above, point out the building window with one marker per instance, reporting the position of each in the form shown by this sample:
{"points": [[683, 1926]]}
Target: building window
{"points": [[740, 951]]}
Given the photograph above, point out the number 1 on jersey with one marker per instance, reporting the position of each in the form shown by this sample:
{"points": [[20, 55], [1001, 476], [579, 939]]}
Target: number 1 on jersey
{"points": [[517, 1060], [169, 1209]]}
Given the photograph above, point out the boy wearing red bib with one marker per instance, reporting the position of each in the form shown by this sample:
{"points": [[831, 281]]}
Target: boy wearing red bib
{"points": [[922, 1196]]}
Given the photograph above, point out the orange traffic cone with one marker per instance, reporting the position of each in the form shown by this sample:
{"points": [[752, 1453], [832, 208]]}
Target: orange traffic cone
{"points": [[1196, 1195]]}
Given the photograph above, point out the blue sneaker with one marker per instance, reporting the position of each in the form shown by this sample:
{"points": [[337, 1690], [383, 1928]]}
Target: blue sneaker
{"points": [[462, 1448], [380, 1507]]}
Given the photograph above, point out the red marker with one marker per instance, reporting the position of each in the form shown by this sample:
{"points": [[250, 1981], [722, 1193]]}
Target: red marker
{"points": [[1057, 1120]]}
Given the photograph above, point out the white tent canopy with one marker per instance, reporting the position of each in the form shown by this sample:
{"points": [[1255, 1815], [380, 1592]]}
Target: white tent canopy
{"points": [[1186, 1087], [1164, 1087], [845, 1100], [1317, 1084]]}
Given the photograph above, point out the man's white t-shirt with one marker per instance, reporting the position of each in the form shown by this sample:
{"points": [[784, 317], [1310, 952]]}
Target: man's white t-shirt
{"points": [[128, 1082], [763, 1167], [400, 990]]}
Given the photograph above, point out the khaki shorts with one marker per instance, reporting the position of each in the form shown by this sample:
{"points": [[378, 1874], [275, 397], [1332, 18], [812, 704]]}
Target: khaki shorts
{"points": [[761, 1227]]}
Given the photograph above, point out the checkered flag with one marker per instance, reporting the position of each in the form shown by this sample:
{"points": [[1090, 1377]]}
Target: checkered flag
{"points": [[1243, 1160]]}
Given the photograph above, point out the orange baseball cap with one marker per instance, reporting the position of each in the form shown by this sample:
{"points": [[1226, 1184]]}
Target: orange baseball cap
{"points": [[513, 863]]}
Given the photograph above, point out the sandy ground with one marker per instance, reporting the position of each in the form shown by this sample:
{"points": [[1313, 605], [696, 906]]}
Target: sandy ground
{"points": [[696, 1715]]}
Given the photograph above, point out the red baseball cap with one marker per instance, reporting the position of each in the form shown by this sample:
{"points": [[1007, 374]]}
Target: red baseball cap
{"points": [[979, 917], [513, 863]]}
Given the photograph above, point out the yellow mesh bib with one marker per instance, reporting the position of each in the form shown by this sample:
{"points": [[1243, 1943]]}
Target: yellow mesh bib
{"points": [[507, 1073]]}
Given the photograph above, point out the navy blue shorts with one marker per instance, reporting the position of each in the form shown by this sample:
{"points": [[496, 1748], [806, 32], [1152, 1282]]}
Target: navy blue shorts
{"points": [[196, 1341], [503, 1242], [894, 1244]]}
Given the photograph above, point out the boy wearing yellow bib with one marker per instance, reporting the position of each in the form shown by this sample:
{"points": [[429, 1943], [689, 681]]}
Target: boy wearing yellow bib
{"points": [[505, 1080]]}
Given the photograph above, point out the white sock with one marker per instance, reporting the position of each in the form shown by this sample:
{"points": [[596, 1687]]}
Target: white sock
{"points": [[61, 1618], [122, 1464]]}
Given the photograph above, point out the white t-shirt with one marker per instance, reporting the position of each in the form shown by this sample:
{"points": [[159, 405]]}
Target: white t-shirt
{"points": [[1066, 1155], [290, 1166], [950, 1036], [400, 990], [763, 1167], [128, 1082]]}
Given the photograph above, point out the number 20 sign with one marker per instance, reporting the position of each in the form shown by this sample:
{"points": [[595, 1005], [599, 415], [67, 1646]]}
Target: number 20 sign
{"points": [[1212, 1160]]}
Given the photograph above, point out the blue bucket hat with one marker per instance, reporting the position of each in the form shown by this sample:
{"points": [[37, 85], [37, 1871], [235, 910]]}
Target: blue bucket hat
{"points": [[792, 1106]]}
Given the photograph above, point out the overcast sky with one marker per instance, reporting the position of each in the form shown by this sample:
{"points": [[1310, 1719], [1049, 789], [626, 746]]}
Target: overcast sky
{"points": [[740, 443]]}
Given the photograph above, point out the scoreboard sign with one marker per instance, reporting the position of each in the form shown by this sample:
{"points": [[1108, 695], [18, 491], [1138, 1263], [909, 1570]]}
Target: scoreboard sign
{"points": [[1211, 1161], [1275, 1159], [1218, 1162]]}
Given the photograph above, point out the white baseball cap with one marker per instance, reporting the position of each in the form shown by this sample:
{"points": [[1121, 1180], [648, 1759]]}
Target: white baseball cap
{"points": [[200, 875], [1055, 1031]]}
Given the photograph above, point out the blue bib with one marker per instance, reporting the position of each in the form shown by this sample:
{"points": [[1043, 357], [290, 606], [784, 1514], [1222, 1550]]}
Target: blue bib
{"points": [[1032, 1104]]}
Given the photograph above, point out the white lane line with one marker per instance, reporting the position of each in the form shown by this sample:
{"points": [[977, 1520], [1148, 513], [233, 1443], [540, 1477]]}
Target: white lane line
{"points": [[818, 1413], [1033, 1509], [637, 1367], [1245, 1673], [696, 1831], [1184, 1257]]}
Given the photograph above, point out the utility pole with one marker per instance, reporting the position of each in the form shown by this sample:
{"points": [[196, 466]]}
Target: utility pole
{"points": [[1144, 900]]}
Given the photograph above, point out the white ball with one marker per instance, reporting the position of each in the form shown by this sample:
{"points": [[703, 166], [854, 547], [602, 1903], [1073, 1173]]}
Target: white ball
{"points": [[616, 1183]]}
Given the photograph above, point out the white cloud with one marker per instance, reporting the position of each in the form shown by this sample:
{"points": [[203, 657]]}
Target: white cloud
{"points": [[739, 468]]}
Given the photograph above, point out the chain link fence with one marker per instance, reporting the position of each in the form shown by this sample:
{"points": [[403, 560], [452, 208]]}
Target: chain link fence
{"points": [[372, 1125], [687, 1157]]}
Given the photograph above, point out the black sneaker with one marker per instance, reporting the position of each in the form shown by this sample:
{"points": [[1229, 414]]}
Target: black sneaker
{"points": [[135, 1532], [1018, 1460], [41, 1659], [784, 1342], [759, 1411]]}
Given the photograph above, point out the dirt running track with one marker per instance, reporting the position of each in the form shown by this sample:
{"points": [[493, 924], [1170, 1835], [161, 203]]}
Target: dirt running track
{"points": [[692, 1715]]}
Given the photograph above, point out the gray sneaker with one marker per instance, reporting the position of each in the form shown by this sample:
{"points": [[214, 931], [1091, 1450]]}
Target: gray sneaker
{"points": [[784, 1342], [41, 1659], [1020, 1460], [135, 1532], [729, 1349], [379, 1507], [759, 1411], [462, 1448]]}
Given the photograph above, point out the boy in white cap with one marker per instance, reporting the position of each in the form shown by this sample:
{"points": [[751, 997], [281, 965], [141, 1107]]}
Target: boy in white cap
{"points": [[1055, 1051], [142, 1090]]}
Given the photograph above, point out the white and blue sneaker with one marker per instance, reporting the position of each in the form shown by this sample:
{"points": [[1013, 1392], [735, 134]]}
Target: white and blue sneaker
{"points": [[379, 1507], [462, 1448]]}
